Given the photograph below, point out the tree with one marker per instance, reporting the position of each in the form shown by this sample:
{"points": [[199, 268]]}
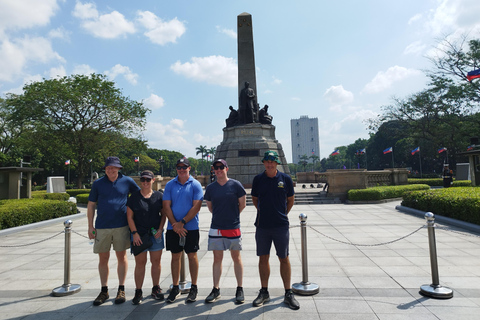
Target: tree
{"points": [[304, 161], [80, 112], [203, 152], [314, 160]]}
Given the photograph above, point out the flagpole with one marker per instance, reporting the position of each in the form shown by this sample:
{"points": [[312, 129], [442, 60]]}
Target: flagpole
{"points": [[366, 158], [69, 172], [420, 157], [393, 162]]}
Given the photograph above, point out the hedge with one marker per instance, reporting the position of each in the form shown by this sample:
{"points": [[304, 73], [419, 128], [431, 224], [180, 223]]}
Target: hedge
{"points": [[75, 192], [18, 212], [50, 196], [457, 203], [380, 193], [438, 182], [82, 198]]}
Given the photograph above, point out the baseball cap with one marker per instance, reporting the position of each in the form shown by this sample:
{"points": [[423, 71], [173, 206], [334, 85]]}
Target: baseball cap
{"points": [[183, 161], [147, 174], [112, 161], [272, 156], [220, 161]]}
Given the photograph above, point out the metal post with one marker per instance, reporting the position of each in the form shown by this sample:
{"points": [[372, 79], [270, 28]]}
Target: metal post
{"points": [[304, 287], [435, 290], [67, 288]]}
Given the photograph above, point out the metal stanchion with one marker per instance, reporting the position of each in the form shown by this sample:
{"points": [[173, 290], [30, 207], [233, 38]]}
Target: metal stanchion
{"points": [[304, 287], [435, 290], [183, 284], [67, 288]]}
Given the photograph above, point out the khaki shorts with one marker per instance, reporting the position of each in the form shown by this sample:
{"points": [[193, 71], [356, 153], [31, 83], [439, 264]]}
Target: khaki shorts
{"points": [[104, 238]]}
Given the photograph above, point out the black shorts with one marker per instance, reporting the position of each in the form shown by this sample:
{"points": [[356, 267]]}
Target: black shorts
{"points": [[191, 242]]}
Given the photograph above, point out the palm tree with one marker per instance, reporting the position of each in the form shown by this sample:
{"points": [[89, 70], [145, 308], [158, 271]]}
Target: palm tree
{"points": [[314, 159], [203, 151], [304, 162], [212, 152]]}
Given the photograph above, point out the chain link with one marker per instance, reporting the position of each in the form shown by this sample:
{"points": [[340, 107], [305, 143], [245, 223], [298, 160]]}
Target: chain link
{"points": [[367, 245], [81, 235], [29, 244]]}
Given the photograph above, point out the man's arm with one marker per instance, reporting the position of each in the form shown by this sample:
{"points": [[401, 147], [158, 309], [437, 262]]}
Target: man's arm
{"points": [[255, 201], [90, 214], [290, 201], [209, 206], [242, 203]]}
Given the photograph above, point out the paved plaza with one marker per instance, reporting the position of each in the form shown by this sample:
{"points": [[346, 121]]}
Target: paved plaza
{"points": [[377, 278]]}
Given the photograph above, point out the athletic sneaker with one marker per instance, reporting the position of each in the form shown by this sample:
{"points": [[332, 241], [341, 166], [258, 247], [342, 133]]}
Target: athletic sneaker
{"points": [[138, 296], [174, 294], [102, 297], [263, 296], [291, 301], [213, 296], [120, 297], [192, 295], [157, 293], [239, 297]]}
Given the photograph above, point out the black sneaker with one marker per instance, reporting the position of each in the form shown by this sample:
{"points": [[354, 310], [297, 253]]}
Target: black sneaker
{"points": [[239, 297], [120, 297], [192, 295], [138, 296], [174, 294], [102, 297], [263, 296], [290, 300], [213, 296], [157, 293]]}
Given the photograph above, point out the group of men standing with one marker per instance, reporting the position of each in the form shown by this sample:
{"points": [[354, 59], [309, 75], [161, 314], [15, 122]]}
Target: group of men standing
{"points": [[272, 194]]}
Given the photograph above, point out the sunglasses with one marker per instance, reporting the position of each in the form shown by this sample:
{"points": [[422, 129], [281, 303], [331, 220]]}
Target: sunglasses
{"points": [[219, 167], [270, 158], [182, 168], [145, 179]]}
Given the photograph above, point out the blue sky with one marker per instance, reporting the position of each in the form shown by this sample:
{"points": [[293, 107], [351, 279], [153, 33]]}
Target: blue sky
{"points": [[339, 61]]}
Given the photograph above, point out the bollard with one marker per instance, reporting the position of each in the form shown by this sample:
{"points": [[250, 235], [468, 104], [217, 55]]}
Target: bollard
{"points": [[435, 290], [67, 288], [304, 287], [183, 284]]}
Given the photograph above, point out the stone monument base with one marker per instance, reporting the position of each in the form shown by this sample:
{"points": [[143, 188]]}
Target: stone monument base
{"points": [[243, 148]]}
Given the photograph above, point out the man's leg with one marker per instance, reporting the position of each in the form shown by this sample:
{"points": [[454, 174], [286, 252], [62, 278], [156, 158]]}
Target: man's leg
{"points": [[122, 266], [193, 265], [155, 257], [217, 267], [175, 266], [264, 270], [285, 272], [237, 266], [103, 268]]}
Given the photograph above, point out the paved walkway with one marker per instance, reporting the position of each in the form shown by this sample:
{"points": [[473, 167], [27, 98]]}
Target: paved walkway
{"points": [[356, 282]]}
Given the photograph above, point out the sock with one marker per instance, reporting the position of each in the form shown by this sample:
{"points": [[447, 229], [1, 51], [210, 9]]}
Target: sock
{"points": [[105, 289], [265, 289], [121, 288], [194, 285]]}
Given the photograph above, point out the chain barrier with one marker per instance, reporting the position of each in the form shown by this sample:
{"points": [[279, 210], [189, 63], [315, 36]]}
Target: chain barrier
{"points": [[445, 228], [250, 232], [368, 245], [32, 243], [81, 235]]}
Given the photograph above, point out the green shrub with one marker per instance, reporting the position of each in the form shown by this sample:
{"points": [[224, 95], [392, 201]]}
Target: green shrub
{"points": [[50, 196], [380, 193], [75, 192], [18, 212], [438, 182], [82, 198], [457, 203]]}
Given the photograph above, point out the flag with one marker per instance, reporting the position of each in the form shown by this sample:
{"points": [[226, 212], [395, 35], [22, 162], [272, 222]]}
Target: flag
{"points": [[417, 149], [313, 151], [137, 159], [470, 148], [442, 149], [334, 153], [473, 75], [388, 150], [67, 162], [363, 151]]}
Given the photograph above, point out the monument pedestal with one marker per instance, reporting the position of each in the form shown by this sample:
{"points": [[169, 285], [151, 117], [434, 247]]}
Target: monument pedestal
{"points": [[243, 148]]}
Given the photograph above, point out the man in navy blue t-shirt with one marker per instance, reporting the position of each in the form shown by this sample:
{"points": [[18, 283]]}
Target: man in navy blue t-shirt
{"points": [[273, 196]]}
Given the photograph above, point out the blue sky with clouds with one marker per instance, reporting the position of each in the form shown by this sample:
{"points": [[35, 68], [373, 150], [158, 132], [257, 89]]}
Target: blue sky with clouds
{"points": [[339, 61]]}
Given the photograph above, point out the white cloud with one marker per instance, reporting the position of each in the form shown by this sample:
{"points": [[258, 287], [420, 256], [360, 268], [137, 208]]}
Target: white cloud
{"points": [[229, 32], [415, 18], [385, 79], [15, 14], [416, 48], [169, 136], [460, 16], [59, 33], [122, 70], [83, 69], [16, 54], [159, 31], [337, 96], [154, 102], [216, 70], [58, 72], [109, 26], [276, 81]]}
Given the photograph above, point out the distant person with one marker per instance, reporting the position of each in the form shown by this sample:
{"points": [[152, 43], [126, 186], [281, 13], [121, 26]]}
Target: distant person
{"points": [[447, 176], [182, 201], [109, 195], [226, 198], [145, 219], [273, 196]]}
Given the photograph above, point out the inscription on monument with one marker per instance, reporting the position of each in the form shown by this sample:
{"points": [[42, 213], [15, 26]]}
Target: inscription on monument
{"points": [[248, 153], [246, 132]]}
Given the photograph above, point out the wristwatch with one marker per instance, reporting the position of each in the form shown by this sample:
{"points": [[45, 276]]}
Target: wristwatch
{"points": [[133, 232], [183, 221]]}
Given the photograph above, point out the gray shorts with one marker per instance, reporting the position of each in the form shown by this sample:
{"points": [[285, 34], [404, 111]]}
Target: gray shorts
{"points": [[218, 242]]}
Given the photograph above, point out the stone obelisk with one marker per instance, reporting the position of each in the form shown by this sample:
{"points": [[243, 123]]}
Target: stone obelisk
{"points": [[245, 139]]}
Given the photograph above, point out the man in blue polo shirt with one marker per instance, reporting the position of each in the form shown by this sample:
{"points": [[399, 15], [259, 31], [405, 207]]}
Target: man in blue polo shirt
{"points": [[182, 200], [109, 195], [273, 196]]}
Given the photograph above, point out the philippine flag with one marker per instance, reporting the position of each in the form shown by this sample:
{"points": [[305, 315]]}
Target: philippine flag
{"points": [[67, 162], [473, 75], [363, 151], [334, 153], [388, 150], [469, 148], [417, 149], [137, 159], [442, 149]]}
